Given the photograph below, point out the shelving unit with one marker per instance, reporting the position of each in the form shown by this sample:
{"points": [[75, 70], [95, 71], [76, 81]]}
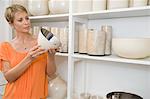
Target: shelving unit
{"points": [[76, 61]]}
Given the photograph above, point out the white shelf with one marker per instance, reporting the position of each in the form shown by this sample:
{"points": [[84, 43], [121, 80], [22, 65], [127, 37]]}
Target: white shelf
{"points": [[115, 13], [113, 58], [50, 18], [62, 54]]}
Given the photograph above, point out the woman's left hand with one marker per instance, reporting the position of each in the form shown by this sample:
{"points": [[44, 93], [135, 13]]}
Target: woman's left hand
{"points": [[52, 51]]}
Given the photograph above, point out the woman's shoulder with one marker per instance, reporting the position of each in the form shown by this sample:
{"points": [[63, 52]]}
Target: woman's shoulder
{"points": [[4, 44]]}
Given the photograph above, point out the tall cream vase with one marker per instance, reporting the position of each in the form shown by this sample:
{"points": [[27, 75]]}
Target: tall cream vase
{"points": [[57, 88], [38, 7]]}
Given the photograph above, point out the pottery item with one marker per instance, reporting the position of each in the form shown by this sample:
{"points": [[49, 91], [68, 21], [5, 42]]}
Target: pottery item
{"points": [[96, 97], [36, 30], [108, 30], [57, 88], [76, 38], [98, 5], [64, 39], [83, 38], [96, 42], [131, 47], [85, 96], [138, 3], [58, 6], [3, 83], [83, 6], [116, 4], [47, 40], [38, 7], [122, 95]]}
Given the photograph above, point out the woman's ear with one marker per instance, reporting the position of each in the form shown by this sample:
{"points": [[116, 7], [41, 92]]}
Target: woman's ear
{"points": [[11, 24]]}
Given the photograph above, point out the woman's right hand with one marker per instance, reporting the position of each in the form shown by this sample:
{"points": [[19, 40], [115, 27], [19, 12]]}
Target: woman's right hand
{"points": [[35, 52]]}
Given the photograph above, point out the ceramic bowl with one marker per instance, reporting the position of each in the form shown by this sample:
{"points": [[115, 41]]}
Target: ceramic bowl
{"points": [[47, 40], [131, 47]]}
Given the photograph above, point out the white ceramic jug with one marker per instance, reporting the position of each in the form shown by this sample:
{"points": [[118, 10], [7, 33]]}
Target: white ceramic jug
{"points": [[38, 7], [57, 88]]}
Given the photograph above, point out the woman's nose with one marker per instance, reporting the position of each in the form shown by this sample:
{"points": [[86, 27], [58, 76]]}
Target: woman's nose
{"points": [[26, 21]]}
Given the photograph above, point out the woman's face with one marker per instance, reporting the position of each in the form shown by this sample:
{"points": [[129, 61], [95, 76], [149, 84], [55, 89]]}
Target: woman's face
{"points": [[21, 22]]}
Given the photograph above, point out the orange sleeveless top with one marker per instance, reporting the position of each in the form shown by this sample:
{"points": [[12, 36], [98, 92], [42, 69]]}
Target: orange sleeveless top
{"points": [[33, 83]]}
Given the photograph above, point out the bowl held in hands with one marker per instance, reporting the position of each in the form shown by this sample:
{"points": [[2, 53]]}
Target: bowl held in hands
{"points": [[47, 40]]}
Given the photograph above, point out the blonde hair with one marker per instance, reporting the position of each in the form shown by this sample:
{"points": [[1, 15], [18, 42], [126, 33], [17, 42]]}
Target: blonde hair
{"points": [[11, 10]]}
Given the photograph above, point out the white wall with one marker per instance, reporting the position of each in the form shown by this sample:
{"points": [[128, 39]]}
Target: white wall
{"points": [[4, 27]]}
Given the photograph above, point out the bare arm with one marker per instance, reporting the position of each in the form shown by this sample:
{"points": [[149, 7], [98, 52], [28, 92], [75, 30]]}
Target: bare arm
{"points": [[11, 74], [51, 66]]}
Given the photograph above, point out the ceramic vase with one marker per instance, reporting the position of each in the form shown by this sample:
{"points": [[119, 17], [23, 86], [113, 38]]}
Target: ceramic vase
{"points": [[138, 3], [83, 6], [96, 42], [57, 88], [108, 32], [117, 4], [83, 39], [99, 5], [58, 6], [38, 7], [64, 39]]}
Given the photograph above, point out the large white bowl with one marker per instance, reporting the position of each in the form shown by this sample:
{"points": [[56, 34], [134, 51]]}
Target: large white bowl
{"points": [[131, 47]]}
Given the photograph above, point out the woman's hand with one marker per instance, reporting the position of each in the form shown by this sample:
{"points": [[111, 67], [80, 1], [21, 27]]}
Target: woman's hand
{"points": [[52, 51], [35, 52]]}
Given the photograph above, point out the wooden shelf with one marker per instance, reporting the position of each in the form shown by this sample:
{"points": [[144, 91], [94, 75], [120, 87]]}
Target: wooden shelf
{"points": [[50, 18], [113, 58], [115, 13]]}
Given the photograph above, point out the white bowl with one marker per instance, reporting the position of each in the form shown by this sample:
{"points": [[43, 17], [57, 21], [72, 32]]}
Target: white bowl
{"points": [[131, 47], [53, 42]]}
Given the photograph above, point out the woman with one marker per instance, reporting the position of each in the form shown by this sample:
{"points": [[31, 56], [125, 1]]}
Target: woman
{"points": [[25, 64]]}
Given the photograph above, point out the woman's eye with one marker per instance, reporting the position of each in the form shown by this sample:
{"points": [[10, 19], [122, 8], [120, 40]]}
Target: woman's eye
{"points": [[27, 18], [20, 20]]}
